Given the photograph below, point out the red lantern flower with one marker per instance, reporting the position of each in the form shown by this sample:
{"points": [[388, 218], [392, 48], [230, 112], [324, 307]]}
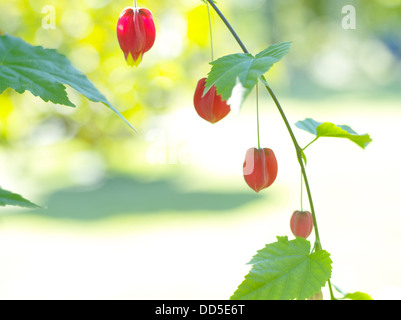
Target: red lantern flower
{"points": [[136, 33], [260, 168], [301, 223], [209, 107]]}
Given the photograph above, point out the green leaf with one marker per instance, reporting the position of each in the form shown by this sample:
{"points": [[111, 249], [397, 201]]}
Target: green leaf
{"points": [[13, 199], [308, 125], [43, 72], [285, 270], [329, 129], [352, 296], [358, 296], [235, 75]]}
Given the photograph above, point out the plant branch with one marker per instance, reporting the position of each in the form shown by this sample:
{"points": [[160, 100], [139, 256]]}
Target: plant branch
{"points": [[310, 143], [287, 124], [298, 149], [222, 17]]}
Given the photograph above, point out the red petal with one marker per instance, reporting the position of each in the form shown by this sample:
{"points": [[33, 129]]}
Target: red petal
{"points": [[209, 107], [149, 28], [125, 27], [260, 168], [139, 37]]}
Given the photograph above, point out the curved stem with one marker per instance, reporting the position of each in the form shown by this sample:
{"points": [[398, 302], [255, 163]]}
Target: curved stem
{"points": [[222, 17], [298, 149], [287, 124], [310, 143]]}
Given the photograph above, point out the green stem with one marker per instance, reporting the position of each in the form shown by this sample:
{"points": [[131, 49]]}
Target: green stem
{"points": [[284, 117], [302, 186], [257, 114], [298, 150], [223, 18], [318, 245], [211, 32], [310, 143], [331, 291]]}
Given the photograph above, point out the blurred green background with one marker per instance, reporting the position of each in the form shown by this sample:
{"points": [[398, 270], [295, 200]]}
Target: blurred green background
{"points": [[165, 214]]}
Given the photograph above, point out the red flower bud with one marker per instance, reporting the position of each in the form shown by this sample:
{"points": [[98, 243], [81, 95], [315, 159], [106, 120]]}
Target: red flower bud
{"points": [[209, 107], [136, 33], [301, 223], [260, 168]]}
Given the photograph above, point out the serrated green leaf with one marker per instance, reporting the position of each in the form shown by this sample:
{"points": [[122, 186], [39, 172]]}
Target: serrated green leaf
{"points": [[238, 73], [14, 199], [285, 270], [44, 72], [329, 129], [358, 296]]}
